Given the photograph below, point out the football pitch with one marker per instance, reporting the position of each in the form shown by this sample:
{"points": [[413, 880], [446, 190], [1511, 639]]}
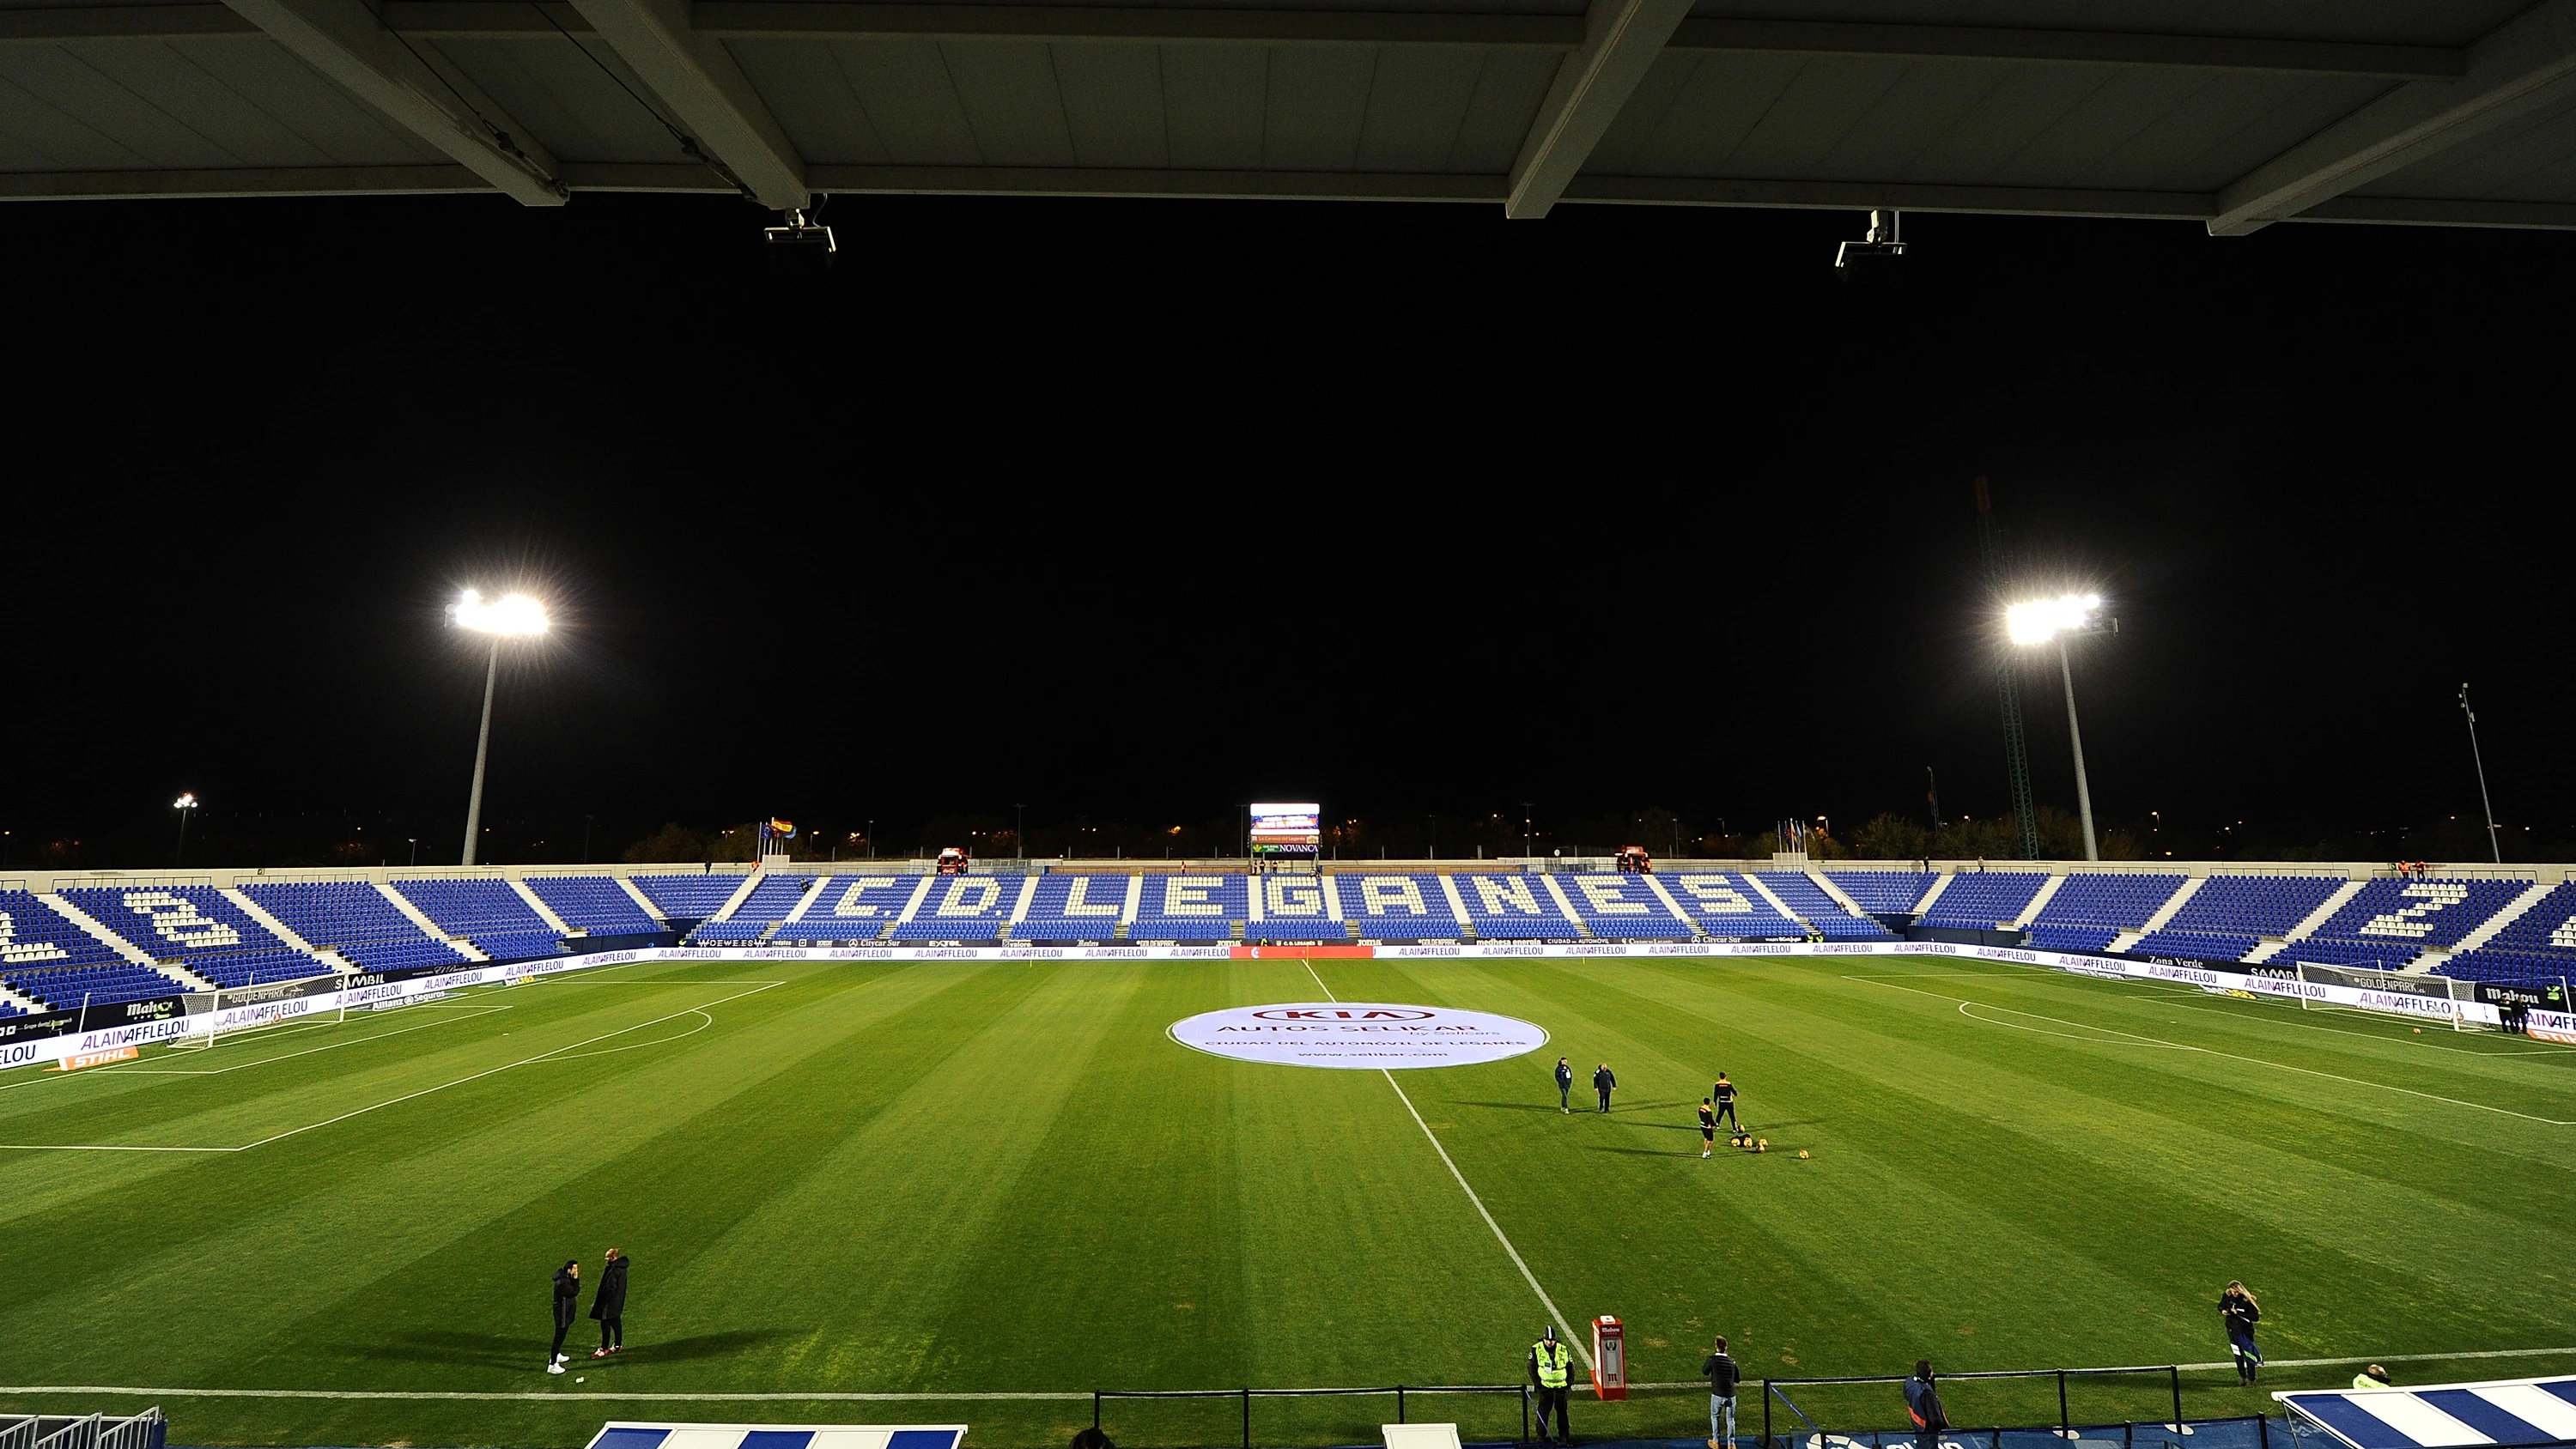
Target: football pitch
{"points": [[1007, 1180]]}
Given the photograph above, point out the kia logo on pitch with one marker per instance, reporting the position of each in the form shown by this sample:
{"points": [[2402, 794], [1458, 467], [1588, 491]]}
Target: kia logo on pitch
{"points": [[1304, 1013]]}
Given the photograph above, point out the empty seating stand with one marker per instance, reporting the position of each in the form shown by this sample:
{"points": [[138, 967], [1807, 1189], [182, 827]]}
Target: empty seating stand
{"points": [[1883, 892], [2092, 908], [2224, 918], [1076, 907], [197, 927], [354, 919], [593, 903], [487, 912], [1984, 900], [2535, 949], [1293, 909], [690, 898], [46, 957], [1619, 907], [1191, 908], [1725, 907], [967, 910], [1513, 907], [2392, 921], [851, 910], [1398, 908], [1808, 900]]}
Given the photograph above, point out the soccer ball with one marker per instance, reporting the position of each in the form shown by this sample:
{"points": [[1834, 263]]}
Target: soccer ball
{"points": [[1762, 1144], [1802, 1154]]}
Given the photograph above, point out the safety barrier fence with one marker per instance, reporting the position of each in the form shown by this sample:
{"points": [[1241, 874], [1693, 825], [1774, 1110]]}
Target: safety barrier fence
{"points": [[1399, 1392], [147, 1430], [1777, 1390]]}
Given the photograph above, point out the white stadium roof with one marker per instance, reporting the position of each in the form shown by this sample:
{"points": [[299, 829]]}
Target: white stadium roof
{"points": [[2236, 113]]}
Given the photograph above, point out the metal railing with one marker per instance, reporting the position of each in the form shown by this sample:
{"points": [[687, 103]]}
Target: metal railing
{"points": [[147, 1430], [1246, 1396], [1772, 1388]]}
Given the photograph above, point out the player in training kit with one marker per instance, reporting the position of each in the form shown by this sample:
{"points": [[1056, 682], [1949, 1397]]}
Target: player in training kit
{"points": [[1724, 1095], [1707, 1128]]}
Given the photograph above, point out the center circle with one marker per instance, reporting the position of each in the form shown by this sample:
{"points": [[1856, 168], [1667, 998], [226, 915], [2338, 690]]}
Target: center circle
{"points": [[1365, 1035]]}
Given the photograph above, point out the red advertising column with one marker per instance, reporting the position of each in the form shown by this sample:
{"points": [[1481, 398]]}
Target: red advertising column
{"points": [[1609, 1359]]}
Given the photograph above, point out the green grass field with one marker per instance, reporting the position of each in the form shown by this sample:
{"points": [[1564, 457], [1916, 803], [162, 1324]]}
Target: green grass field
{"points": [[984, 1178]]}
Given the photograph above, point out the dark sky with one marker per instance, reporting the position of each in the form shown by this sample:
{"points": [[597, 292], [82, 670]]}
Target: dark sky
{"points": [[1138, 510]]}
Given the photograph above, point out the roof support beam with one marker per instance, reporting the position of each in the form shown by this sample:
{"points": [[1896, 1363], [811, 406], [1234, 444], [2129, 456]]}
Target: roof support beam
{"points": [[713, 101], [2526, 65], [1620, 42], [2076, 47], [344, 40]]}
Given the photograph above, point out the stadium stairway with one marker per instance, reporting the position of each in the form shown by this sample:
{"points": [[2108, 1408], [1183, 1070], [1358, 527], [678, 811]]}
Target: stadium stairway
{"points": [[257, 912], [2173, 905], [2307, 927], [2047, 892], [178, 976], [641, 899], [545, 913], [1836, 894], [1754, 880], [1940, 883], [13, 1004]]}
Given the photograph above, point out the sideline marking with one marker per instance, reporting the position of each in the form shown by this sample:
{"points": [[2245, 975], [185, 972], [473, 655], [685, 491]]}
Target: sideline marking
{"points": [[1059, 1395], [479, 1010], [1554, 1312], [2136, 1039], [554, 1053]]}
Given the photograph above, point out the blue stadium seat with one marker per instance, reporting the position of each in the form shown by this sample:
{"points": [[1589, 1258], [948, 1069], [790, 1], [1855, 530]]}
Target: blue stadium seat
{"points": [[2092, 908], [1808, 900], [198, 927], [1072, 906], [485, 911], [1883, 892], [966, 909], [2393, 920], [593, 903], [2537, 948], [1200, 907], [354, 919], [2224, 918], [1983, 900], [47, 958], [690, 897], [1622, 907], [1514, 907], [852, 910], [1398, 907], [1724, 906]]}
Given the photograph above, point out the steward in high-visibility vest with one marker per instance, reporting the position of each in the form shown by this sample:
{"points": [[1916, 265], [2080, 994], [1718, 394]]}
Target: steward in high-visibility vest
{"points": [[1549, 1360]]}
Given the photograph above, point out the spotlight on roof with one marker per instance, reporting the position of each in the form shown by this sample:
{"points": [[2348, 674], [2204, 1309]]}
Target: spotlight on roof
{"points": [[2042, 620], [1874, 257], [512, 616], [801, 248]]}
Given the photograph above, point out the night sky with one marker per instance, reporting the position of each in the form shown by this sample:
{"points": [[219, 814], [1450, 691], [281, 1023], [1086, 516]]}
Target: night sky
{"points": [[1133, 511]]}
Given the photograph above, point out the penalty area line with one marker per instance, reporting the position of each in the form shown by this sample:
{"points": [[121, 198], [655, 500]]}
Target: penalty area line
{"points": [[1553, 1312]]}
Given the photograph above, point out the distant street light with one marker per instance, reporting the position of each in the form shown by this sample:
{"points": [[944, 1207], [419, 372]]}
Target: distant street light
{"points": [[512, 616], [2042, 621], [186, 805]]}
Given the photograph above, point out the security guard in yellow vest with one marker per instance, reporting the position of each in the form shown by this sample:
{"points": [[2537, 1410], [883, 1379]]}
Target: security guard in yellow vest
{"points": [[1549, 1361]]}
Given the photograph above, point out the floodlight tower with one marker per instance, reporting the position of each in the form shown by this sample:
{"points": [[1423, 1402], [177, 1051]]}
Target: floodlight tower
{"points": [[2044, 621], [1990, 548], [2495, 842], [512, 616], [186, 805]]}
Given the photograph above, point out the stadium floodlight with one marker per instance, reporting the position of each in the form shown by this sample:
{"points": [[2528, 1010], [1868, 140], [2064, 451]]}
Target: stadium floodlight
{"points": [[2044, 621], [186, 805], [512, 616]]}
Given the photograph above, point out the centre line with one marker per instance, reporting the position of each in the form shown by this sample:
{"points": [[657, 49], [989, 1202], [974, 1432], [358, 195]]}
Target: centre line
{"points": [[1527, 1276]]}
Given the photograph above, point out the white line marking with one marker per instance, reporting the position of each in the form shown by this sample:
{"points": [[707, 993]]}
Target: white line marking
{"points": [[1059, 1395], [2137, 1040], [290, 1056], [1553, 1312], [557, 1052]]}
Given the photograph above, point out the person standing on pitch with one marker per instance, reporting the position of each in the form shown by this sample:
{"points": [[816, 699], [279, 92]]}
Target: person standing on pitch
{"points": [[1564, 1085], [1549, 1363], [1724, 1095], [2373, 1377], [1602, 1082], [1723, 1376], [608, 1305], [2237, 1308], [1923, 1406], [567, 1307], [1707, 1140]]}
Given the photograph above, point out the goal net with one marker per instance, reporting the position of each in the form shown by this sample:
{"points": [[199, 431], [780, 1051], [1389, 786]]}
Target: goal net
{"points": [[228, 1012]]}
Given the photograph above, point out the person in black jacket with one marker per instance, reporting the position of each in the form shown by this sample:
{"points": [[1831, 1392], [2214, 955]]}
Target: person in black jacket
{"points": [[608, 1305], [1564, 1084], [567, 1308], [2237, 1308], [1602, 1082], [1723, 1376], [1923, 1406]]}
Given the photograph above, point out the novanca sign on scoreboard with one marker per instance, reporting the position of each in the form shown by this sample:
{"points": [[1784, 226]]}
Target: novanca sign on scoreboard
{"points": [[1287, 829]]}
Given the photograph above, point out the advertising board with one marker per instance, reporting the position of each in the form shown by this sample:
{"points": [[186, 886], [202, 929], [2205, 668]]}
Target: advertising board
{"points": [[1287, 829]]}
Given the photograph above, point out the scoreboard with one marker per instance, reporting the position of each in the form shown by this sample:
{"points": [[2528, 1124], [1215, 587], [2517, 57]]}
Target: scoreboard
{"points": [[1287, 829]]}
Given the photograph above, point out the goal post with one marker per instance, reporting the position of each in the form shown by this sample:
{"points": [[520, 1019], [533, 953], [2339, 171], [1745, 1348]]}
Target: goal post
{"points": [[230, 1011]]}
